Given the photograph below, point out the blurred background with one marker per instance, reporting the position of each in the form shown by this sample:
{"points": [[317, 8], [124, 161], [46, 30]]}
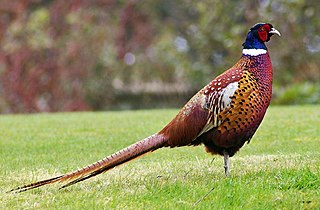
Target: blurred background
{"points": [[108, 55]]}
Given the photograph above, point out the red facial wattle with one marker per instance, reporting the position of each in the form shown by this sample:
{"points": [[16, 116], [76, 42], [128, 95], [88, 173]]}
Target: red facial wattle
{"points": [[263, 32]]}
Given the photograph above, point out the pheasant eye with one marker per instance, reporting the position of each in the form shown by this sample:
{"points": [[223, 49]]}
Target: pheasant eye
{"points": [[262, 29]]}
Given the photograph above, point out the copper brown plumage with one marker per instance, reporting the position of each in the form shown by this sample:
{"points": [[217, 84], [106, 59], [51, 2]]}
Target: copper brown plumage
{"points": [[223, 115]]}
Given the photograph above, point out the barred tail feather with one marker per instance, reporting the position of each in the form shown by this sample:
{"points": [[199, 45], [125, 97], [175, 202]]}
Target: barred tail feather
{"points": [[134, 151], [36, 184]]}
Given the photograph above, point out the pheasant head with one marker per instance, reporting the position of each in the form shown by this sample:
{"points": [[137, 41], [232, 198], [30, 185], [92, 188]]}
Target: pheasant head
{"points": [[258, 35]]}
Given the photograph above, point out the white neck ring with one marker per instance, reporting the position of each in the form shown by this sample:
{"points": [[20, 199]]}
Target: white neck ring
{"points": [[254, 52]]}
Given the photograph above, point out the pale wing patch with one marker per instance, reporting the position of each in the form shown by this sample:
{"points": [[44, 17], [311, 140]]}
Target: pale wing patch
{"points": [[227, 93], [219, 101], [190, 106]]}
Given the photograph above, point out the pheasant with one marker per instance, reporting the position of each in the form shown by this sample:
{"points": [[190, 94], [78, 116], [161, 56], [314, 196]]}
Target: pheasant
{"points": [[222, 116]]}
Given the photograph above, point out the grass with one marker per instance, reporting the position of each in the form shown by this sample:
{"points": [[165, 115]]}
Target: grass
{"points": [[279, 169]]}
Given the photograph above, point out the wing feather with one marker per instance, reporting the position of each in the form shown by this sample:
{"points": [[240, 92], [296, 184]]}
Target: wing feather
{"points": [[218, 101]]}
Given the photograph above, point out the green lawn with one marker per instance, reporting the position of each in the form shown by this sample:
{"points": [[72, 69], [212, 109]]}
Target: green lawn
{"points": [[279, 169]]}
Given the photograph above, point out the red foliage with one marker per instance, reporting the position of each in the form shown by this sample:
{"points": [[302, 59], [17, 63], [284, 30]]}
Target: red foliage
{"points": [[135, 32], [32, 79], [46, 79]]}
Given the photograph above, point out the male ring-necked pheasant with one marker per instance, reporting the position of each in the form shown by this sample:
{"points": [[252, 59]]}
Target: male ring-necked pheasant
{"points": [[223, 115]]}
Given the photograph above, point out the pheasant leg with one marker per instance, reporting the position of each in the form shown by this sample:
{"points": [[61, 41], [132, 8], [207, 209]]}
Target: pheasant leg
{"points": [[226, 163]]}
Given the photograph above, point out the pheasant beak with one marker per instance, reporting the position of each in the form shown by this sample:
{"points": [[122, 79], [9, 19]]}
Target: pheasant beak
{"points": [[274, 31]]}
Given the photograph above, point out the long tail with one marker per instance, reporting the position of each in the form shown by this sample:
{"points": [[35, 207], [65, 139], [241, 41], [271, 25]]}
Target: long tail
{"points": [[135, 150]]}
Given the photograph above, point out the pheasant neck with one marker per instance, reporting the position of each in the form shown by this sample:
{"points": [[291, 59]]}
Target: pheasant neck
{"points": [[253, 43], [260, 66]]}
